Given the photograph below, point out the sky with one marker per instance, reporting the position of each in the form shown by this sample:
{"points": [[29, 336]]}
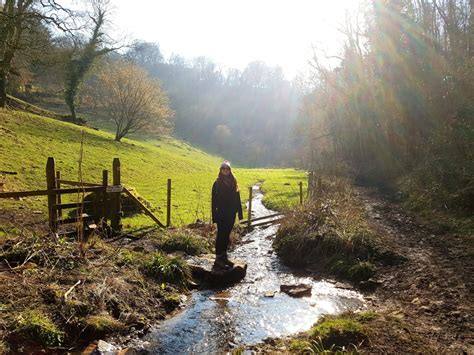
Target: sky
{"points": [[233, 33]]}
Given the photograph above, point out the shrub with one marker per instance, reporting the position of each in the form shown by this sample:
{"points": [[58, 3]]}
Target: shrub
{"points": [[164, 268]]}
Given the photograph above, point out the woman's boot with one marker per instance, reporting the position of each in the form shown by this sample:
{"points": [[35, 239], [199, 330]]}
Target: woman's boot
{"points": [[227, 261], [220, 262]]}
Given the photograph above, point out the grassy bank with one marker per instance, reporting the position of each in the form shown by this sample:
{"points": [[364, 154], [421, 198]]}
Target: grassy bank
{"points": [[60, 293], [351, 333], [27, 140], [331, 234]]}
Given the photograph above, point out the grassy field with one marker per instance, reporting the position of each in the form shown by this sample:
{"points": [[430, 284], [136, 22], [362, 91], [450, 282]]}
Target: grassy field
{"points": [[26, 140]]}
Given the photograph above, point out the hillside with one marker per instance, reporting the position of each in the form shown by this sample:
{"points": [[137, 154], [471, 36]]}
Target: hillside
{"points": [[27, 140]]}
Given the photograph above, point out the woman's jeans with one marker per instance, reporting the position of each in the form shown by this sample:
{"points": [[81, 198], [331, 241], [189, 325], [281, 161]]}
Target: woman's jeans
{"points": [[224, 227]]}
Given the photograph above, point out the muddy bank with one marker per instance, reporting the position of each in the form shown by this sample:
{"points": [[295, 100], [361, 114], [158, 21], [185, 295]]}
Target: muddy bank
{"points": [[432, 291], [420, 303], [59, 295]]}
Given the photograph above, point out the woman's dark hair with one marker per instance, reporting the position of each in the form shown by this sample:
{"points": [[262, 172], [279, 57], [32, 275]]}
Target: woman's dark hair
{"points": [[221, 178]]}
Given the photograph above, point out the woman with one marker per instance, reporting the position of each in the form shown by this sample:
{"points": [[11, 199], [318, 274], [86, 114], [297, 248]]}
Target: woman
{"points": [[225, 205]]}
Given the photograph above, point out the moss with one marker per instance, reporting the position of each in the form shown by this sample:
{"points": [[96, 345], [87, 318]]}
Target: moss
{"points": [[6, 231], [339, 331], [361, 271], [36, 326], [103, 323], [171, 301]]}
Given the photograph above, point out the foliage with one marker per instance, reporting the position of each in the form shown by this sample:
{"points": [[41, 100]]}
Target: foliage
{"points": [[167, 269], [132, 100], [146, 165], [401, 100], [35, 325]]}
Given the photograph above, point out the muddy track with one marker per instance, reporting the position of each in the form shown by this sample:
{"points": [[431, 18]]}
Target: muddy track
{"points": [[432, 290]]}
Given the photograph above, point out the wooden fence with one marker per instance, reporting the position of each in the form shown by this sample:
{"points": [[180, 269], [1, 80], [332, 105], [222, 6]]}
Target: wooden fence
{"points": [[106, 201]]}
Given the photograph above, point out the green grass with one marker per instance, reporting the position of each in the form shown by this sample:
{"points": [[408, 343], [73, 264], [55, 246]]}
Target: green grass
{"points": [[27, 140]]}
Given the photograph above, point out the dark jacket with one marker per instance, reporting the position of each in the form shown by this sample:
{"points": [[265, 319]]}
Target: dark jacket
{"points": [[225, 203]]}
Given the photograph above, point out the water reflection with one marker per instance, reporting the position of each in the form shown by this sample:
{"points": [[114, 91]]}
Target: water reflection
{"points": [[244, 314]]}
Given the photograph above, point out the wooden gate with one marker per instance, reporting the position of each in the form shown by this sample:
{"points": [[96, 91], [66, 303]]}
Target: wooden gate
{"points": [[106, 201]]}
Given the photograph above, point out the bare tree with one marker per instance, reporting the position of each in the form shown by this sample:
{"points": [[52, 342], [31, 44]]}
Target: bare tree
{"points": [[18, 18], [84, 54], [132, 100]]}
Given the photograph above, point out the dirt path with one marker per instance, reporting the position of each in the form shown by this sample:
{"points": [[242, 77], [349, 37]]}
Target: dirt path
{"points": [[432, 291]]}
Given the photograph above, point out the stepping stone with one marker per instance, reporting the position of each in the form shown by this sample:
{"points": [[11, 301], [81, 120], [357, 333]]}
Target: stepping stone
{"points": [[300, 290], [203, 269]]}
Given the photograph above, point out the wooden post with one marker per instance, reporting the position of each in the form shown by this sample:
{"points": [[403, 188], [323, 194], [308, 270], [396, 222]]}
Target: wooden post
{"points": [[105, 182], [249, 216], [51, 185], [116, 208], [58, 196], [301, 192], [168, 205], [310, 185], [320, 184]]}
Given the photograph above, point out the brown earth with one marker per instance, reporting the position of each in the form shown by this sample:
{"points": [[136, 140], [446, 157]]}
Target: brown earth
{"points": [[432, 291]]}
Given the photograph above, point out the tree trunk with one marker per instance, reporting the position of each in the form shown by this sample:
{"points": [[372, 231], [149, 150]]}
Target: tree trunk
{"points": [[3, 90], [471, 29], [69, 96]]}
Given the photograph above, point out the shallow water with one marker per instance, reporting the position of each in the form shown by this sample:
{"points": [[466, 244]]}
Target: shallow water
{"points": [[242, 314]]}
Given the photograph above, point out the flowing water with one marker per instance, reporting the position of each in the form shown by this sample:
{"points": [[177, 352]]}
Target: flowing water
{"points": [[247, 313]]}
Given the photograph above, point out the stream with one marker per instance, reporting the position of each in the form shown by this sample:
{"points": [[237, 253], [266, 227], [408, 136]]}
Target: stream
{"points": [[254, 309]]}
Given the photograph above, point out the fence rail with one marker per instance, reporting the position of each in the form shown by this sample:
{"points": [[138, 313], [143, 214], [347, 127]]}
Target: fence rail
{"points": [[106, 201]]}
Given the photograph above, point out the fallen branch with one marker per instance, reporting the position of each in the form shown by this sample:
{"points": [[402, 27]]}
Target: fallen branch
{"points": [[70, 290]]}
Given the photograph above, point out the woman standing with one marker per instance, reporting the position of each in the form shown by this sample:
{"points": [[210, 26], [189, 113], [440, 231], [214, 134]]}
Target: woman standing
{"points": [[225, 205]]}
